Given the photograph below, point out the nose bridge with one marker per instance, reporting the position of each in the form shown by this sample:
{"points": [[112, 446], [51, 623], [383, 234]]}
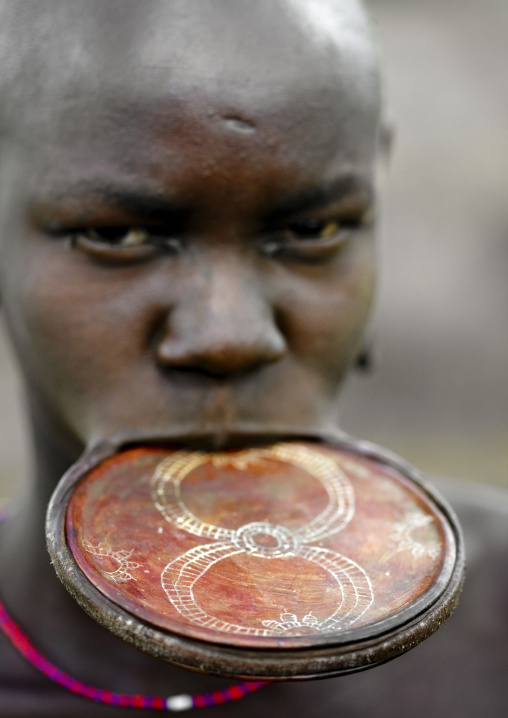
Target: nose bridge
{"points": [[225, 293], [225, 323]]}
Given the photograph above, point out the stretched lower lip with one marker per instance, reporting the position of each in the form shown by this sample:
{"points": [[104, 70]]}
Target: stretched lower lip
{"points": [[218, 439]]}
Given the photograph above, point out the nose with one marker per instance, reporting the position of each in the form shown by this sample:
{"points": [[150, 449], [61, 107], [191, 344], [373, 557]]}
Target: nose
{"points": [[222, 325]]}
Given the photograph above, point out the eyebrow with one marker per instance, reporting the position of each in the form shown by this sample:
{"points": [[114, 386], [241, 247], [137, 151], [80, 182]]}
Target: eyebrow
{"points": [[145, 204], [315, 197], [143, 201]]}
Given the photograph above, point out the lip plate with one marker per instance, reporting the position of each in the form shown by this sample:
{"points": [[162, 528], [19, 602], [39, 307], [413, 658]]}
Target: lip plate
{"points": [[348, 651]]}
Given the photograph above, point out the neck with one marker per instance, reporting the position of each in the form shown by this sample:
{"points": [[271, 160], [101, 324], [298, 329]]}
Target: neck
{"points": [[59, 628]]}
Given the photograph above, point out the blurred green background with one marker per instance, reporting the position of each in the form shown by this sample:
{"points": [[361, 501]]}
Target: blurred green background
{"points": [[438, 394]]}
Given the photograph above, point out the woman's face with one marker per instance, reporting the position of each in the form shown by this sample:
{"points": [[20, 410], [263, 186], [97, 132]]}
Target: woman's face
{"points": [[187, 243]]}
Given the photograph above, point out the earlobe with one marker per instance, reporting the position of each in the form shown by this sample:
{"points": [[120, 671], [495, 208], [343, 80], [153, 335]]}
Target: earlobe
{"points": [[365, 360]]}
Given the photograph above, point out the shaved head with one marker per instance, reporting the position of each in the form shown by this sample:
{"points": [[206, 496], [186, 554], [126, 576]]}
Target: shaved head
{"points": [[56, 48]]}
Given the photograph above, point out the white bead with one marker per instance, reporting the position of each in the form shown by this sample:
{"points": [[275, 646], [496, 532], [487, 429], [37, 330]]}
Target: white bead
{"points": [[179, 703]]}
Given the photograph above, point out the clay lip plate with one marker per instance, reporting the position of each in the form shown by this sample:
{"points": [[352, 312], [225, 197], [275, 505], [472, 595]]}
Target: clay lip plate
{"points": [[290, 546]]}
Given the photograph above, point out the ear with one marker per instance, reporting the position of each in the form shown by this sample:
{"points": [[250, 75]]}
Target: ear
{"points": [[365, 361]]}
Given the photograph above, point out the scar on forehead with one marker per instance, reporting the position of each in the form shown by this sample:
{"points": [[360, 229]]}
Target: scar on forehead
{"points": [[237, 124]]}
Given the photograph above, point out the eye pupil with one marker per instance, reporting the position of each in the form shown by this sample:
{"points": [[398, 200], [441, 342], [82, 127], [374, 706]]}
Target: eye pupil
{"points": [[118, 236], [112, 235], [308, 228], [312, 229]]}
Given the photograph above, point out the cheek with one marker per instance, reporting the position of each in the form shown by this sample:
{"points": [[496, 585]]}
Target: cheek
{"points": [[325, 320], [75, 331]]}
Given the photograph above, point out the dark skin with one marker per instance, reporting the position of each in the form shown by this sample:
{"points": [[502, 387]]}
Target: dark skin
{"points": [[186, 254], [186, 196]]}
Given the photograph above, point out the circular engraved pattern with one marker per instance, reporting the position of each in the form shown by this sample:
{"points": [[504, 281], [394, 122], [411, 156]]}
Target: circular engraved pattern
{"points": [[174, 469], [249, 538], [261, 539]]}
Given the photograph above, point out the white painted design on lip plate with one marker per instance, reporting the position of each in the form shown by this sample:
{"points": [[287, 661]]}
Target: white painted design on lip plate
{"points": [[181, 575]]}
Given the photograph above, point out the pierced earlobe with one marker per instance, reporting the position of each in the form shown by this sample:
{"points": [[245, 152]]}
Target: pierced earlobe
{"points": [[365, 362]]}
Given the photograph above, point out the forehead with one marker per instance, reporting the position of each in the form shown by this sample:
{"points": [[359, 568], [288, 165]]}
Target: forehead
{"points": [[140, 82]]}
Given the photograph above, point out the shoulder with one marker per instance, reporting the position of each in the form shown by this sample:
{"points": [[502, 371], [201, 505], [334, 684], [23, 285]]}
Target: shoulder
{"points": [[461, 669]]}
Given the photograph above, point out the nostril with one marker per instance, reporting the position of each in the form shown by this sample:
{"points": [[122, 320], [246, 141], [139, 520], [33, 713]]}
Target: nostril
{"points": [[192, 372], [229, 329], [219, 357]]}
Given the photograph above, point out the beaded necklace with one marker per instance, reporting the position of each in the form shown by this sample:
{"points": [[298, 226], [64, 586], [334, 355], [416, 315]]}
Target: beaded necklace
{"points": [[170, 704]]}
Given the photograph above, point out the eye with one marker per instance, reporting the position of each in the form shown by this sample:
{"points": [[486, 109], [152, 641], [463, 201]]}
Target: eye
{"points": [[311, 239], [119, 244], [117, 236], [311, 229]]}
